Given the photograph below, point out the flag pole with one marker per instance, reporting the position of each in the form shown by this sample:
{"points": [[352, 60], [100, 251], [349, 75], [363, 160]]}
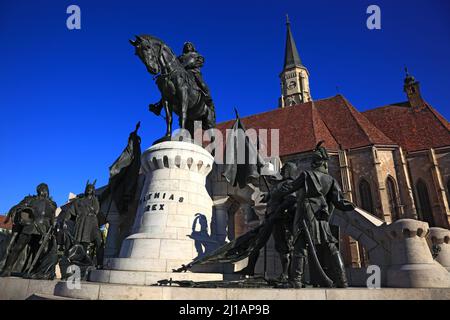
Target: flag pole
{"points": [[267, 186], [265, 219], [265, 213]]}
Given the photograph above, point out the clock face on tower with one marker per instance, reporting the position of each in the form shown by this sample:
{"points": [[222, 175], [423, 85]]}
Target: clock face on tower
{"points": [[291, 85]]}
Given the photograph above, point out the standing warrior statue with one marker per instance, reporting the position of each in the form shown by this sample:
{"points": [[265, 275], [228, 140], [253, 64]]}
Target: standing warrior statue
{"points": [[35, 217], [280, 216], [282, 229], [318, 193], [84, 210]]}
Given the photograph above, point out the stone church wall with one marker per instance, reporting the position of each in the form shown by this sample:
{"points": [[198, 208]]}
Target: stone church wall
{"points": [[420, 168]]}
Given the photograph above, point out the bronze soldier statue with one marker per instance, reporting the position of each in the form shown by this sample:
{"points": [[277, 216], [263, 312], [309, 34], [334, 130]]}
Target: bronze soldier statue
{"points": [[192, 61], [280, 216], [85, 210], [284, 208], [318, 193], [34, 218]]}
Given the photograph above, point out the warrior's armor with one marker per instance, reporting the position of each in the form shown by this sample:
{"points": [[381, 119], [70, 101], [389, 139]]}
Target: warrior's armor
{"points": [[318, 193], [284, 208], [192, 61], [280, 216], [33, 217], [84, 210]]}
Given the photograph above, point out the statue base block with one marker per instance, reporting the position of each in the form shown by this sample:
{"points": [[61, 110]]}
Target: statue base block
{"points": [[173, 221], [25, 289]]}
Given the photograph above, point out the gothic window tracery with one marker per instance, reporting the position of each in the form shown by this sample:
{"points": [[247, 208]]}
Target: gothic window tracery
{"points": [[393, 199], [365, 195], [423, 203]]}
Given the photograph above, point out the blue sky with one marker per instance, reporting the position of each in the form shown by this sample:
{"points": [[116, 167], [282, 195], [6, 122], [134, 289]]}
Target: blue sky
{"points": [[69, 98]]}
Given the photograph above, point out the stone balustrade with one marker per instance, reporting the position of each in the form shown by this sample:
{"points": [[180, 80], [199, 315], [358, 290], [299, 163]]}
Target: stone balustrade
{"points": [[400, 249], [412, 265], [439, 242]]}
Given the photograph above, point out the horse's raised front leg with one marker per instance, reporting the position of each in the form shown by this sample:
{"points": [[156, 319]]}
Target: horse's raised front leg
{"points": [[168, 119]]}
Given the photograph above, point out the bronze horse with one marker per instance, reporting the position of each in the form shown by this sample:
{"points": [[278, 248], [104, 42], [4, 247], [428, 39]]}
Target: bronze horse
{"points": [[179, 90]]}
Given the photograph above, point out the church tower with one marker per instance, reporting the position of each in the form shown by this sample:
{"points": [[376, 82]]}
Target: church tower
{"points": [[412, 89], [295, 76]]}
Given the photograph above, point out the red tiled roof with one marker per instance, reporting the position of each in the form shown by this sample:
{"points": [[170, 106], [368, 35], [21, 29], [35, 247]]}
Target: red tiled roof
{"points": [[300, 128], [412, 129], [350, 128], [333, 120], [3, 225]]}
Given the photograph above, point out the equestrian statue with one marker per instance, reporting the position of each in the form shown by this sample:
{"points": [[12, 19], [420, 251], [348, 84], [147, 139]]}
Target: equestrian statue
{"points": [[179, 80]]}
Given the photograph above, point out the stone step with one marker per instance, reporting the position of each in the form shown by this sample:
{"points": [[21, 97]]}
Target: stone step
{"points": [[22, 289], [42, 296]]}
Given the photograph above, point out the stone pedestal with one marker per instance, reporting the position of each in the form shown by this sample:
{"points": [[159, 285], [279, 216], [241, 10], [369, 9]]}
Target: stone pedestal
{"points": [[412, 265], [172, 225], [440, 238]]}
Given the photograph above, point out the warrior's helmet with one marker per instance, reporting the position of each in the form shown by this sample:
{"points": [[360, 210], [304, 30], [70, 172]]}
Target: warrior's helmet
{"points": [[42, 189], [320, 157], [90, 188], [188, 47]]}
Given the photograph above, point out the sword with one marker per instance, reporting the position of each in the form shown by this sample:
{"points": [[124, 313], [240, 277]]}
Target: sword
{"points": [[43, 243]]}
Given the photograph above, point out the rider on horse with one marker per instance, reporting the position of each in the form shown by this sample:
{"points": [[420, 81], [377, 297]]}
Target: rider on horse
{"points": [[192, 61], [179, 80]]}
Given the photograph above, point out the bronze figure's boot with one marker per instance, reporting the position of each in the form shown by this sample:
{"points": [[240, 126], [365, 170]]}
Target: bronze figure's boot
{"points": [[339, 271], [285, 259], [297, 270], [283, 279]]}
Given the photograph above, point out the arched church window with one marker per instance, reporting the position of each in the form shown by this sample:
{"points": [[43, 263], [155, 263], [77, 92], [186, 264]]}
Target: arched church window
{"points": [[423, 203], [365, 195], [393, 200]]}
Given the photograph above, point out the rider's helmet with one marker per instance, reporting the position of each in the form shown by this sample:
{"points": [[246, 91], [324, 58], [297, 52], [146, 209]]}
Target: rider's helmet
{"points": [[188, 47]]}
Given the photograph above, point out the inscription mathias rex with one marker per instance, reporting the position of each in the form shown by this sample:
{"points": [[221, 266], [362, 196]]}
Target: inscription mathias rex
{"points": [[159, 196]]}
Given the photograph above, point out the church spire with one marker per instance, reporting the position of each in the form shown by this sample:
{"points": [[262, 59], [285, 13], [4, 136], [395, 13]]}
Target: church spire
{"points": [[295, 76], [412, 89], [291, 56]]}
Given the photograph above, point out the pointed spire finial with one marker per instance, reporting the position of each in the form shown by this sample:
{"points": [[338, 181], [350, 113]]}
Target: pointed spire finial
{"points": [[236, 112], [291, 57], [408, 77]]}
